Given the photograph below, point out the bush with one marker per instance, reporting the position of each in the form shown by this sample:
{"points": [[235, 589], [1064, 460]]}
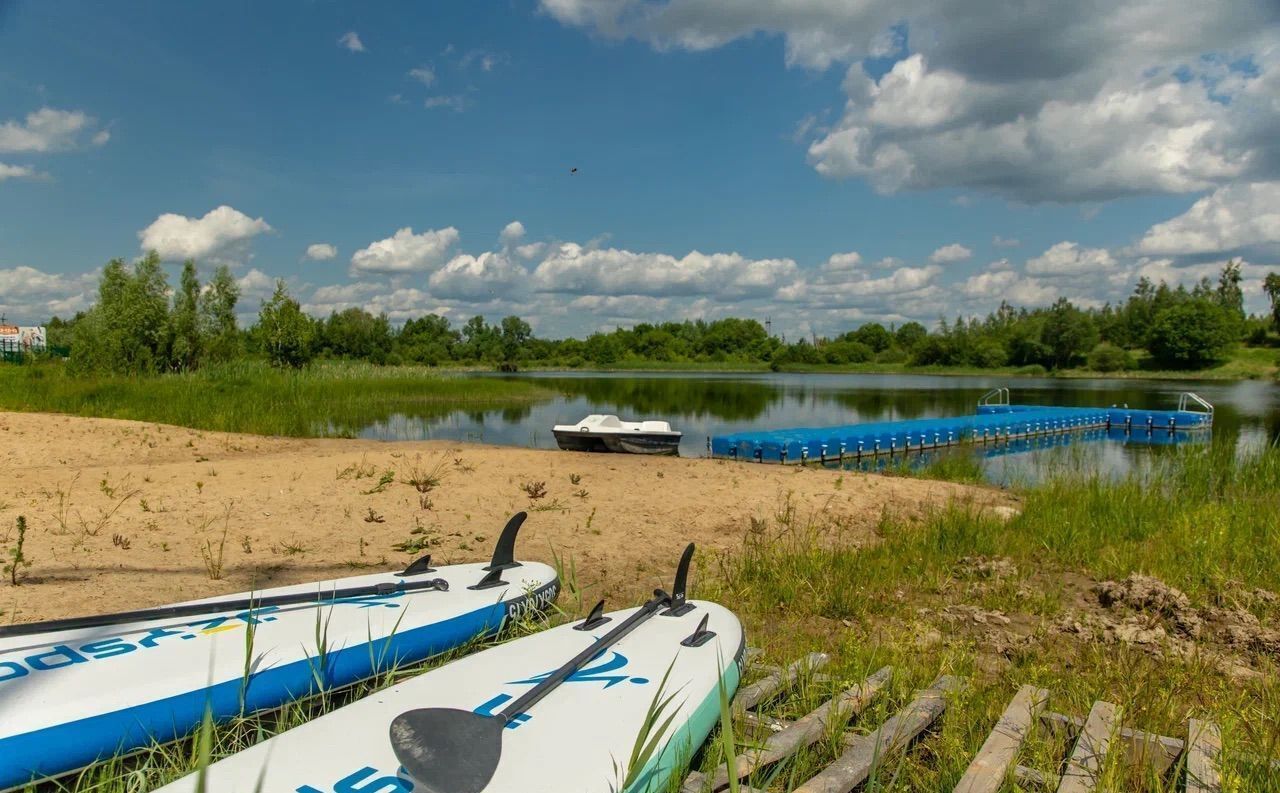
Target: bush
{"points": [[1190, 335], [1110, 358], [892, 355], [1032, 369], [989, 355], [846, 352]]}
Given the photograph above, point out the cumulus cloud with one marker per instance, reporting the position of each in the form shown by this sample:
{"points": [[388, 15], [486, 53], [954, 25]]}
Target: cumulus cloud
{"points": [[351, 41], [1232, 218], [575, 269], [31, 296], [222, 235], [405, 252], [50, 130], [955, 252], [255, 284], [424, 74], [1080, 101], [321, 251], [1068, 258], [477, 279], [16, 172], [512, 233]]}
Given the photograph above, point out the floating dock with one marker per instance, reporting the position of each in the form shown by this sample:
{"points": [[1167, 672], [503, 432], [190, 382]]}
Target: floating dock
{"points": [[996, 421]]}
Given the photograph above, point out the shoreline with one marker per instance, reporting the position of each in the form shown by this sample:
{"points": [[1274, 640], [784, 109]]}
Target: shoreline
{"points": [[125, 514]]}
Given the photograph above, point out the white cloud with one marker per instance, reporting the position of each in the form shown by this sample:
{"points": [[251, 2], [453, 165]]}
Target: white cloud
{"points": [[1005, 242], [405, 252], [531, 250], [1229, 219], [575, 269], [49, 130], [1068, 258], [512, 233], [222, 235], [321, 251], [1095, 99], [16, 172], [455, 102], [255, 284], [990, 285], [955, 252], [29, 296], [351, 42], [840, 262], [424, 74], [479, 279]]}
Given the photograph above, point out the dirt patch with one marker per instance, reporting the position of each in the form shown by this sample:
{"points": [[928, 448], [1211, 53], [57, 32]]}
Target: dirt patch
{"points": [[126, 514]]}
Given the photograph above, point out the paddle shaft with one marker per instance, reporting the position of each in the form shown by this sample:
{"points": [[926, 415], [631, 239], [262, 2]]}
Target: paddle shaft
{"points": [[533, 695], [193, 609]]}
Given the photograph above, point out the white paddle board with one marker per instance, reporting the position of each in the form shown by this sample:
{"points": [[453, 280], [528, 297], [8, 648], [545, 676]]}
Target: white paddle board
{"points": [[71, 697], [578, 739]]}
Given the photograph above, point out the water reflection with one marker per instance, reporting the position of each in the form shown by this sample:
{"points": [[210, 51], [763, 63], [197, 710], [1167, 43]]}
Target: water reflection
{"points": [[1247, 415]]}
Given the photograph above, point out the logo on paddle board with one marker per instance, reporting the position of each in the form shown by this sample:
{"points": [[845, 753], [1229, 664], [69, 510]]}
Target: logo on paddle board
{"points": [[48, 657], [602, 672]]}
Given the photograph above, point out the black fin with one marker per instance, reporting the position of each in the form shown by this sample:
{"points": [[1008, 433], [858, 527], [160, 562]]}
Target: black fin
{"points": [[594, 619], [491, 580], [701, 635], [504, 551], [419, 567], [679, 605]]}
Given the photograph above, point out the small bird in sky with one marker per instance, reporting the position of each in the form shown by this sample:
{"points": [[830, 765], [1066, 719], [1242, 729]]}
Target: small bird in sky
{"points": [[573, 170]]}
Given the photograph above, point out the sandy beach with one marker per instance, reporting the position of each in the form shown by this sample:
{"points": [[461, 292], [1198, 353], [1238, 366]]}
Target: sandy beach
{"points": [[126, 514]]}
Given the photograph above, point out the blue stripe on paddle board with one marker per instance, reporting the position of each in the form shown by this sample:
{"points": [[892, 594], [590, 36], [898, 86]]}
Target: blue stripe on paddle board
{"points": [[73, 745]]}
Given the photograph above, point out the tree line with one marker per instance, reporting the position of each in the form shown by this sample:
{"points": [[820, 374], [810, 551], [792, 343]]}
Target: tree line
{"points": [[139, 325]]}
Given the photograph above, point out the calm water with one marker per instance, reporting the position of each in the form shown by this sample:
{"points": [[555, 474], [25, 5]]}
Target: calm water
{"points": [[1247, 413]]}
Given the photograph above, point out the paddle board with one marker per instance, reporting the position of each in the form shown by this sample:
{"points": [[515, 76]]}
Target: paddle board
{"points": [[579, 739], [73, 696]]}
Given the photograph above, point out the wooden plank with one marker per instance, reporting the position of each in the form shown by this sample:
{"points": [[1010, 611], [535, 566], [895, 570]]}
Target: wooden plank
{"points": [[1089, 757], [803, 732], [989, 768], [766, 687], [1159, 751], [1202, 759], [866, 753]]}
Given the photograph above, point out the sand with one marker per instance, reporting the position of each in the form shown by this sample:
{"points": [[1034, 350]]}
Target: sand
{"points": [[126, 514]]}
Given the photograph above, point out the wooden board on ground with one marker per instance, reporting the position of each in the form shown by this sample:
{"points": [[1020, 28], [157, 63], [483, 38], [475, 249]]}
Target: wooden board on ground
{"points": [[991, 766], [1088, 759]]}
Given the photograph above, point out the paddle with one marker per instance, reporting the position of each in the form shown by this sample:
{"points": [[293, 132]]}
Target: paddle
{"points": [[194, 609], [447, 750]]}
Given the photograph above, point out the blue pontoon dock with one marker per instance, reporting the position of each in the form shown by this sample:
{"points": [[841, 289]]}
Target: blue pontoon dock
{"points": [[996, 421]]}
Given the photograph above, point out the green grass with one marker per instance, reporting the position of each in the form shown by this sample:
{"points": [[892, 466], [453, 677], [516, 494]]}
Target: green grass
{"points": [[327, 399], [1204, 523]]}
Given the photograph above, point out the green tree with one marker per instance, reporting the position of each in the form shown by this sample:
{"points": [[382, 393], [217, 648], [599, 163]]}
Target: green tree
{"points": [[1190, 335], [515, 335], [127, 331], [909, 335], [1230, 297], [1068, 333], [185, 341], [284, 332], [1271, 285], [873, 335], [218, 316], [355, 333]]}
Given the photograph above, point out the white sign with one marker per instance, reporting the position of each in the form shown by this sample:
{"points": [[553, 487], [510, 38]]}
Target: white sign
{"points": [[22, 337]]}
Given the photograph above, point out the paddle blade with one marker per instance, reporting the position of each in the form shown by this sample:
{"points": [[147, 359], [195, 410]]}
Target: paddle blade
{"points": [[447, 750]]}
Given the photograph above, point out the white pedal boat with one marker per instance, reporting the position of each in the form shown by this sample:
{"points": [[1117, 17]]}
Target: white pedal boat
{"points": [[600, 433]]}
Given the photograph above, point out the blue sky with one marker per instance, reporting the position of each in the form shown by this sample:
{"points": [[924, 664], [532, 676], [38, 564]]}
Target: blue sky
{"points": [[812, 161]]}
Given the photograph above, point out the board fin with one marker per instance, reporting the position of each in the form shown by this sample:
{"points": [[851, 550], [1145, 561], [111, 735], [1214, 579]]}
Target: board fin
{"points": [[419, 567], [595, 619], [700, 635], [679, 605], [492, 579], [504, 550]]}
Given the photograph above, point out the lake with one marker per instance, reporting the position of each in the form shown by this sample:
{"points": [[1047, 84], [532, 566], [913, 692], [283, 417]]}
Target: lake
{"points": [[1247, 413]]}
